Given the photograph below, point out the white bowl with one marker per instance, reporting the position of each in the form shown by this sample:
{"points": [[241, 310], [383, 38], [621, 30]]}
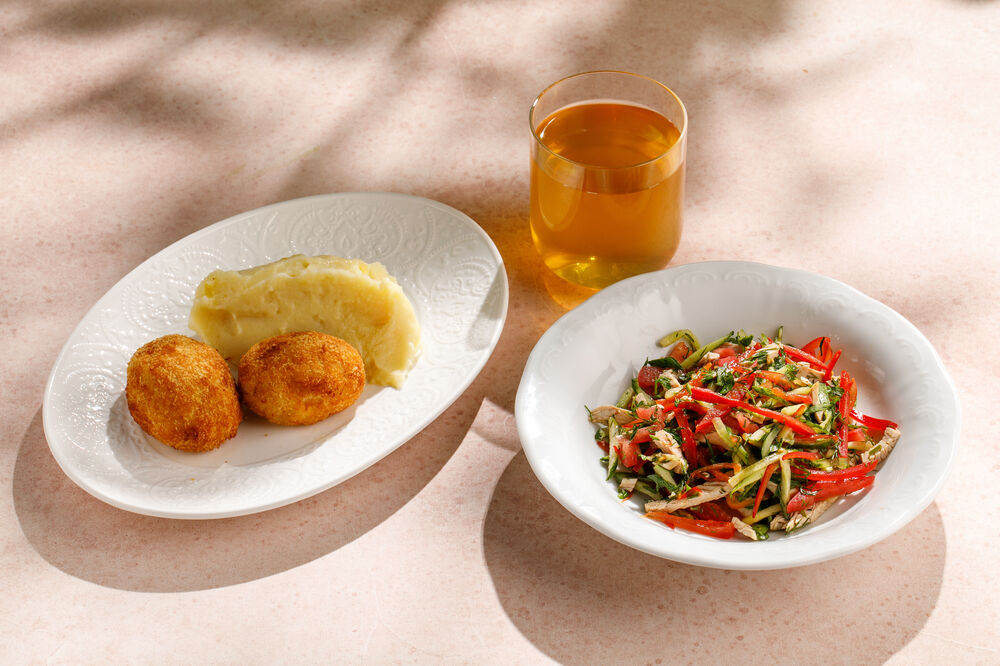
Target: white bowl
{"points": [[590, 354]]}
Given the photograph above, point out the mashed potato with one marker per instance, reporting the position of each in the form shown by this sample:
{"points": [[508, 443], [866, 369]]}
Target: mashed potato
{"points": [[347, 298]]}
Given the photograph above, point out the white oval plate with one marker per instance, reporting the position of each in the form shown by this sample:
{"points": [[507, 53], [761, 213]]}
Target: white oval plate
{"points": [[590, 354], [449, 269]]}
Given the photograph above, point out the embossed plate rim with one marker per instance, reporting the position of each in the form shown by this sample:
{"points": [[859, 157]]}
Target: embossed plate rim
{"points": [[455, 241], [587, 355]]}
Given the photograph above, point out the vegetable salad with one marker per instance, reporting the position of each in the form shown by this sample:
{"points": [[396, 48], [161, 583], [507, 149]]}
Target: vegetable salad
{"points": [[741, 435]]}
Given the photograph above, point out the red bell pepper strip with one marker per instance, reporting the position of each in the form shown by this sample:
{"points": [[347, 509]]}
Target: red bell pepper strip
{"points": [[840, 474], [710, 396], [821, 346], [688, 445], [792, 397], [799, 355], [775, 378], [844, 408], [735, 504], [763, 485], [705, 423], [715, 471], [829, 369], [682, 401], [806, 497], [808, 455], [713, 528], [871, 422]]}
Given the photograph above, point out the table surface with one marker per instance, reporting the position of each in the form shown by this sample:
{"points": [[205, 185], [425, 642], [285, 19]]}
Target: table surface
{"points": [[852, 139]]}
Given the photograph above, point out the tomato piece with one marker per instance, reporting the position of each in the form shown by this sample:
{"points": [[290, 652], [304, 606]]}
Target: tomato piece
{"points": [[630, 454], [719, 411], [680, 351], [652, 413], [745, 424], [647, 378], [705, 423], [713, 528], [642, 435]]}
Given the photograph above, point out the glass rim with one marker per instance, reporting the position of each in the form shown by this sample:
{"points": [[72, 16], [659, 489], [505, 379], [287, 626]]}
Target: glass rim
{"points": [[681, 138]]}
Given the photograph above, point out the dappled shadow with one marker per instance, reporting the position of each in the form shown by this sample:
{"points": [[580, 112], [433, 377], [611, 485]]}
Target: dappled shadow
{"points": [[551, 571], [188, 112], [266, 102], [99, 543], [96, 542]]}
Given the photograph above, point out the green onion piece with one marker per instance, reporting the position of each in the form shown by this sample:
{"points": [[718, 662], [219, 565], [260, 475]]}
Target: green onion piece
{"points": [[613, 430], [750, 474], [695, 356], [786, 482], [626, 398], [684, 333], [768, 444], [665, 474], [646, 489], [723, 431], [766, 512], [640, 398]]}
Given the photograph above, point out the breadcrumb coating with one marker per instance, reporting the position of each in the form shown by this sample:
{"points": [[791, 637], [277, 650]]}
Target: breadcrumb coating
{"points": [[301, 378], [181, 392]]}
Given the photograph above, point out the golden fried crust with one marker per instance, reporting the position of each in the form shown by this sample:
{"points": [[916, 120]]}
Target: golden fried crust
{"points": [[181, 392], [301, 378]]}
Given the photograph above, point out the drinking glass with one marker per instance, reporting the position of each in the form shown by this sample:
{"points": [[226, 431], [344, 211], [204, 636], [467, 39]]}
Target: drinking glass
{"points": [[607, 176]]}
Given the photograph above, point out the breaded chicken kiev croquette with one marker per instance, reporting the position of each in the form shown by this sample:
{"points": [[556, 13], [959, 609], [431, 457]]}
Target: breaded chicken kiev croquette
{"points": [[181, 392], [300, 378]]}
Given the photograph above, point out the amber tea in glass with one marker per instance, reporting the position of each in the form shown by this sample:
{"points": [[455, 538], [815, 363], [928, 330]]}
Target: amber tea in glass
{"points": [[607, 176]]}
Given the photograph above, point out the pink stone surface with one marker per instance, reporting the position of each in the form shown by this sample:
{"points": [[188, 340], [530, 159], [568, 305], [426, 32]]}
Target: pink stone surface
{"points": [[856, 139]]}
